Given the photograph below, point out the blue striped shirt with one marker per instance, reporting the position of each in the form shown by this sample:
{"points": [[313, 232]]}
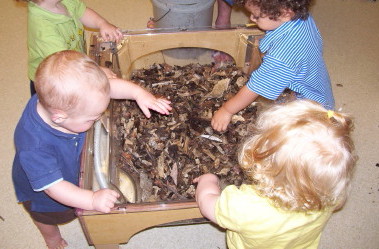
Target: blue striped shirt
{"points": [[293, 59]]}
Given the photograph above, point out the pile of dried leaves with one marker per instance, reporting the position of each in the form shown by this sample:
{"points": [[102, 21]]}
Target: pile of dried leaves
{"points": [[165, 153]]}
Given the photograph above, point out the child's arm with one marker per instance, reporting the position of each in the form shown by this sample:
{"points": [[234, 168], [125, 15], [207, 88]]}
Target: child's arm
{"points": [[223, 116], [123, 89], [108, 72], [108, 31], [71, 195], [207, 193]]}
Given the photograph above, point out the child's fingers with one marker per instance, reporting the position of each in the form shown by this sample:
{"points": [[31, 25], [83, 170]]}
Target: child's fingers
{"points": [[164, 100], [111, 36], [215, 125], [159, 109], [162, 108], [115, 194], [164, 105], [146, 111], [107, 37], [116, 34], [222, 127], [219, 125], [119, 33], [111, 200]]}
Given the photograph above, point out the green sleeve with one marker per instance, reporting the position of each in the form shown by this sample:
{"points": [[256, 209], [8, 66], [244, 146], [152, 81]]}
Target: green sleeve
{"points": [[75, 7]]}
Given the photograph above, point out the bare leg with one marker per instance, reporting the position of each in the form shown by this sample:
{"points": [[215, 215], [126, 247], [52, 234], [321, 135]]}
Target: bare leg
{"points": [[224, 12], [51, 235]]}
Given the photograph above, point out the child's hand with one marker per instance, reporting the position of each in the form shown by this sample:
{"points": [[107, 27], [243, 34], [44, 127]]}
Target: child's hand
{"points": [[197, 179], [109, 32], [109, 73], [221, 119], [103, 200], [146, 101], [206, 177]]}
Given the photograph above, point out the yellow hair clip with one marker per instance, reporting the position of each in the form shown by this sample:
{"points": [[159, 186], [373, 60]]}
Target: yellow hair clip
{"points": [[330, 114]]}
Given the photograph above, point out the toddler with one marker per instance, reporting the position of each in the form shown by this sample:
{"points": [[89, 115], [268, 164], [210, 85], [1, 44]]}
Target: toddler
{"points": [[72, 93], [56, 25], [293, 58], [300, 162]]}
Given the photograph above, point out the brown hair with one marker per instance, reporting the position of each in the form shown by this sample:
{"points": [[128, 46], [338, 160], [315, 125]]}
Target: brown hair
{"points": [[273, 8], [64, 77], [301, 156]]}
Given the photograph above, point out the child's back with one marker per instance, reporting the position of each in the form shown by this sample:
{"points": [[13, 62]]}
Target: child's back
{"points": [[294, 60], [299, 161], [253, 221]]}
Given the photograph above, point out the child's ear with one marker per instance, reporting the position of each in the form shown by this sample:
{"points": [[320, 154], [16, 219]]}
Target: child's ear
{"points": [[287, 15], [58, 116]]}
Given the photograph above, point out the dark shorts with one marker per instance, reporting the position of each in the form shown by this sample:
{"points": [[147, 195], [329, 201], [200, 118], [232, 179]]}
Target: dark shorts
{"points": [[50, 218]]}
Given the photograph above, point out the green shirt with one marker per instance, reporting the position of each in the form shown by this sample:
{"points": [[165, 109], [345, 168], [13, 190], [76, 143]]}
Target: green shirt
{"points": [[49, 32], [252, 222]]}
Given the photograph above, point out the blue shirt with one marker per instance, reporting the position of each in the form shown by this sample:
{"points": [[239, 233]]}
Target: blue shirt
{"points": [[293, 59], [44, 156], [230, 2]]}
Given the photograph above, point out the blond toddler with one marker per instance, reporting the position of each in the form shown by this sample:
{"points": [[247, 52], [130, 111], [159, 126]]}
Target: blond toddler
{"points": [[299, 162]]}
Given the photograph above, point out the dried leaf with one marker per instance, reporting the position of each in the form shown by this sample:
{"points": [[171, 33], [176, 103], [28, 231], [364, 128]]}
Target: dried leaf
{"points": [[241, 81], [161, 166], [219, 89], [174, 173]]}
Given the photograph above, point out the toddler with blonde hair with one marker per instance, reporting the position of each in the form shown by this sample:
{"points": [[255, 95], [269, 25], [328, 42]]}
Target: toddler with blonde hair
{"points": [[72, 93], [299, 162]]}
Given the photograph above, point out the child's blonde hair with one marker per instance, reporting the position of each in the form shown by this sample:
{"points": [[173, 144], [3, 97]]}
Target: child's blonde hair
{"points": [[301, 156], [63, 78]]}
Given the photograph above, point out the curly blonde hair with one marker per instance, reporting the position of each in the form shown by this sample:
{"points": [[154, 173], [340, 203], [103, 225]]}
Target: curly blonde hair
{"points": [[301, 156]]}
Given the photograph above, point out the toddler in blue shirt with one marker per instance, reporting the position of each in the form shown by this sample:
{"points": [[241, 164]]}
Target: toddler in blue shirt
{"points": [[72, 93], [293, 58]]}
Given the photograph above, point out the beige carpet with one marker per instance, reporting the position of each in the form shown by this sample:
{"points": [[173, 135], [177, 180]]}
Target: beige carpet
{"points": [[351, 38]]}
